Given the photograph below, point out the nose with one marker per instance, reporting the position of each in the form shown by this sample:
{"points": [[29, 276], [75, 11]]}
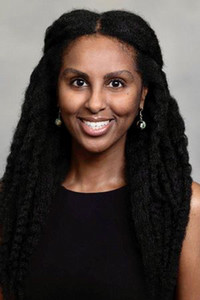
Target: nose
{"points": [[96, 101]]}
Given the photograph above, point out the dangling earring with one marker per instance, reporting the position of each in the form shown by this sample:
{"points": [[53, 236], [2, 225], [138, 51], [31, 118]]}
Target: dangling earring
{"points": [[58, 121], [141, 123]]}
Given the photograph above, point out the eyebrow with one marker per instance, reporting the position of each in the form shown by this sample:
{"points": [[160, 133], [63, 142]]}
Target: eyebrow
{"points": [[111, 74]]}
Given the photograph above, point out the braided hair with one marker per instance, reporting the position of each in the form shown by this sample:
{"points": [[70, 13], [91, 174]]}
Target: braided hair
{"points": [[157, 172]]}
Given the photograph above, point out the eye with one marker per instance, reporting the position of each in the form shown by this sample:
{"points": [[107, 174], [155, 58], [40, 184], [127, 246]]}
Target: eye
{"points": [[116, 83], [80, 81]]}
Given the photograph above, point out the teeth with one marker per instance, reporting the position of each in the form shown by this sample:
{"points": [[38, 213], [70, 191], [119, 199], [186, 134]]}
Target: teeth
{"points": [[95, 125]]}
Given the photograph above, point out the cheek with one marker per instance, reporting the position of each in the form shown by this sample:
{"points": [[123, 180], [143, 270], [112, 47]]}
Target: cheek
{"points": [[67, 101], [127, 105]]}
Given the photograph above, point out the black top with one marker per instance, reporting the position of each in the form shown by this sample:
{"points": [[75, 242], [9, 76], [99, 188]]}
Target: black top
{"points": [[88, 250]]}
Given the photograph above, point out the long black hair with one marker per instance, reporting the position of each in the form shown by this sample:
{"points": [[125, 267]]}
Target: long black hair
{"points": [[158, 172]]}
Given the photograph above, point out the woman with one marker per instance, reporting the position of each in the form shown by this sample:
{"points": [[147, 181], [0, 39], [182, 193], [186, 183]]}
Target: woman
{"points": [[98, 186]]}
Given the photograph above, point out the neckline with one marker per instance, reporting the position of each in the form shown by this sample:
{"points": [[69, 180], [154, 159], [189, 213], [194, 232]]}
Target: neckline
{"points": [[93, 193]]}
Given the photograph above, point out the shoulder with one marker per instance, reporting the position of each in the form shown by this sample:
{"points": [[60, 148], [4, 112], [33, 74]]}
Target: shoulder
{"points": [[195, 200], [189, 265], [194, 216], [193, 228]]}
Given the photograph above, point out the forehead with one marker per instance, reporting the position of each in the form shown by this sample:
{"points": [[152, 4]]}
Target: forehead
{"points": [[99, 46]]}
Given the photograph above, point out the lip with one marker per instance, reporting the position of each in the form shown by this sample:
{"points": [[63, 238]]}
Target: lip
{"points": [[91, 132], [95, 119]]}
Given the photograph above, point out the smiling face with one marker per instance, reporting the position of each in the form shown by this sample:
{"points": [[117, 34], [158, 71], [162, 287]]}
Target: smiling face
{"points": [[99, 79]]}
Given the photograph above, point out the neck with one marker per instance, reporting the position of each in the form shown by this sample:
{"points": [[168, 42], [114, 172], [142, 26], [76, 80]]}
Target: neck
{"points": [[96, 172]]}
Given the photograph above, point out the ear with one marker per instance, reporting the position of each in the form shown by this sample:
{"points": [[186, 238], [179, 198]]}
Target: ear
{"points": [[143, 96]]}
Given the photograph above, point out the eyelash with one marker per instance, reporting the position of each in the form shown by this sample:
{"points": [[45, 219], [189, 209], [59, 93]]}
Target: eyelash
{"points": [[119, 80]]}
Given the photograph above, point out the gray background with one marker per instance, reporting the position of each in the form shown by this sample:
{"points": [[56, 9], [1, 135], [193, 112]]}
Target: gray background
{"points": [[176, 23]]}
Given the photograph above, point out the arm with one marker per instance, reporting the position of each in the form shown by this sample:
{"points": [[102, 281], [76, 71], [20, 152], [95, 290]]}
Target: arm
{"points": [[188, 282]]}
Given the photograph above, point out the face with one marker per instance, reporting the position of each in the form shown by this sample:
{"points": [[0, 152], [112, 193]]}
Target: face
{"points": [[99, 79]]}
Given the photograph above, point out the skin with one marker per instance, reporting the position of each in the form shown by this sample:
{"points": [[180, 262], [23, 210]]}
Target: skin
{"points": [[94, 166], [93, 163]]}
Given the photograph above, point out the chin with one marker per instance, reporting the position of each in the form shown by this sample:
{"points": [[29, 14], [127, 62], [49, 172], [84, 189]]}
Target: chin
{"points": [[94, 147]]}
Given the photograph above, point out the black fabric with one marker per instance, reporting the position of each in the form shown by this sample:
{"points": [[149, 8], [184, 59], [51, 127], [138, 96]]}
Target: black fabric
{"points": [[88, 250]]}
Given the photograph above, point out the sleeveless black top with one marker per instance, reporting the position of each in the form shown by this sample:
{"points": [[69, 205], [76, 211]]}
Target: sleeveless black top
{"points": [[88, 250]]}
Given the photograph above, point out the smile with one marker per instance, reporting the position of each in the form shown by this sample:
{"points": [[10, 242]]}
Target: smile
{"points": [[95, 128]]}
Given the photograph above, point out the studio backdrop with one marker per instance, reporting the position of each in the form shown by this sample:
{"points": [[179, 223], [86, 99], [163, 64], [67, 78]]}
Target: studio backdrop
{"points": [[176, 23]]}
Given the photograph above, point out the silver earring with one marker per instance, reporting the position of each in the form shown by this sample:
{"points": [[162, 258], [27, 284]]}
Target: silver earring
{"points": [[58, 121], [141, 123]]}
